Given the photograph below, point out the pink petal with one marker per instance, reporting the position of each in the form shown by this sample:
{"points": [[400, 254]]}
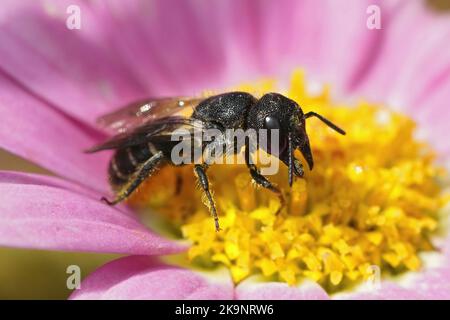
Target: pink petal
{"points": [[413, 72], [333, 43], [75, 70], [414, 40], [139, 277], [434, 281], [38, 179], [35, 131], [157, 46], [428, 284], [433, 284], [327, 38], [431, 113], [47, 217], [308, 290], [386, 291], [122, 52]]}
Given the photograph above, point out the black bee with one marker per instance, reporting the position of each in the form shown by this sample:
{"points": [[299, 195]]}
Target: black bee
{"points": [[144, 142]]}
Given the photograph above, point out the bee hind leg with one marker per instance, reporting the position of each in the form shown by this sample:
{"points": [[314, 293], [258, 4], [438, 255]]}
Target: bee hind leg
{"points": [[144, 172], [200, 172]]}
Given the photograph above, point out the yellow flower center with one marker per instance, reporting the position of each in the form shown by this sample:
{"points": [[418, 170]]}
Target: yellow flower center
{"points": [[370, 202]]}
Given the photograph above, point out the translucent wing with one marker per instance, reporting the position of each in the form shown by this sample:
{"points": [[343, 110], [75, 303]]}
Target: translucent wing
{"points": [[159, 129], [141, 112]]}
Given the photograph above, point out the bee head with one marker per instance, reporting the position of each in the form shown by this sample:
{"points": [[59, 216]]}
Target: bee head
{"points": [[277, 112]]}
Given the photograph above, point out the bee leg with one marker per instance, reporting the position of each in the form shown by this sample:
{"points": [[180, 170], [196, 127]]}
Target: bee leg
{"points": [[144, 172], [262, 181], [200, 172]]}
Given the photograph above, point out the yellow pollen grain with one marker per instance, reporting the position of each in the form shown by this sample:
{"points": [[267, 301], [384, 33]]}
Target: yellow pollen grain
{"points": [[371, 200]]}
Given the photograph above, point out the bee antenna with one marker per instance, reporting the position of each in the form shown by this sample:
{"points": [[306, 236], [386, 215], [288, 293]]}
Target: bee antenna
{"points": [[324, 120]]}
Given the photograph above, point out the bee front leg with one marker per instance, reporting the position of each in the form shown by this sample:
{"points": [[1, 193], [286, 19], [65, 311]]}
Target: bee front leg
{"points": [[262, 181], [200, 172]]}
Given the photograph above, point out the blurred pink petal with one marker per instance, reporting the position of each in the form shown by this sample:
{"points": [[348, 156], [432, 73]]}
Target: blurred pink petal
{"points": [[433, 281], [109, 61], [74, 70], [139, 277], [332, 42], [432, 284], [35, 131], [328, 38], [164, 53], [413, 50], [431, 113], [413, 72], [307, 290], [47, 217]]}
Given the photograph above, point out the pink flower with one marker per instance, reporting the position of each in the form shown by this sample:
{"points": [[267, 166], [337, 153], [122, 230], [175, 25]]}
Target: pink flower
{"points": [[54, 83]]}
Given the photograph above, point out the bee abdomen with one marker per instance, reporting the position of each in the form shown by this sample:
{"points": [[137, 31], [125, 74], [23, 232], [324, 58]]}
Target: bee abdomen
{"points": [[126, 161]]}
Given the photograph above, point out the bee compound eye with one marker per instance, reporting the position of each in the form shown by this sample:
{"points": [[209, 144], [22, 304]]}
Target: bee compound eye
{"points": [[271, 123]]}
